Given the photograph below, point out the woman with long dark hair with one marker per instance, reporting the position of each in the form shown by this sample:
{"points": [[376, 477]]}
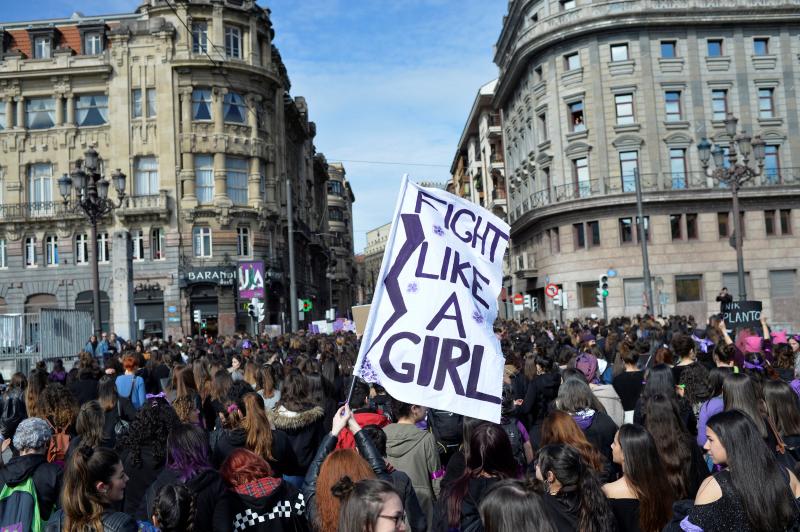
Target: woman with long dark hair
{"points": [[94, 482], [174, 509], [189, 462], [541, 391], [14, 410], [715, 404], [660, 381], [514, 505], [641, 500], [682, 459], [490, 460], [143, 450], [783, 408], [560, 427], [754, 493], [574, 498]]}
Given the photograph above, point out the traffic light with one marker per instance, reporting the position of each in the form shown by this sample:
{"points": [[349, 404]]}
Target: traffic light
{"points": [[307, 306], [197, 315], [251, 311], [602, 289]]}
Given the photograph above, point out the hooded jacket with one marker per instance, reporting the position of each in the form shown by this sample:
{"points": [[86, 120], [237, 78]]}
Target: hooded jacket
{"points": [[112, 522], [13, 412], [598, 428], [534, 408], [413, 452], [268, 505], [224, 442], [47, 479], [305, 431], [213, 499], [363, 417], [139, 479]]}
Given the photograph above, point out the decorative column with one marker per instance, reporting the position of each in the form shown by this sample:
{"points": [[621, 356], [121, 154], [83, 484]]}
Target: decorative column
{"points": [[254, 183], [186, 110], [20, 111], [59, 98], [9, 113], [70, 110], [219, 110], [188, 177], [220, 181]]}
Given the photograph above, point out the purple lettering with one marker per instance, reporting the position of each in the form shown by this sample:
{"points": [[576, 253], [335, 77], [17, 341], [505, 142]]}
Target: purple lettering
{"points": [[423, 252], [442, 315], [448, 365], [386, 364], [474, 374]]}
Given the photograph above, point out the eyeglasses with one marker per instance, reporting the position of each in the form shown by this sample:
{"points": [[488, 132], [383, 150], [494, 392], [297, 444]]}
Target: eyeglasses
{"points": [[397, 518]]}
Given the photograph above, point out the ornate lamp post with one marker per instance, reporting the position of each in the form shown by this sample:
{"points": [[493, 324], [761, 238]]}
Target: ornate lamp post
{"points": [[734, 175], [91, 191]]}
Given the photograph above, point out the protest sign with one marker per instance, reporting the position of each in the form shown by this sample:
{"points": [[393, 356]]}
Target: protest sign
{"points": [[742, 314], [429, 338], [251, 280], [360, 314]]}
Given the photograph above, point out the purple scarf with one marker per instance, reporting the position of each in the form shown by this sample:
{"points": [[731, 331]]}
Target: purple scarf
{"points": [[584, 418]]}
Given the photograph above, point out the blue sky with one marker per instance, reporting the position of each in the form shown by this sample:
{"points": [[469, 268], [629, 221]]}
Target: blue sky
{"points": [[385, 80]]}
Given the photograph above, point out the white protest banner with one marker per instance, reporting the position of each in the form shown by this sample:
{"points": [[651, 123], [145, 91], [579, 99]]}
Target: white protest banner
{"points": [[429, 338]]}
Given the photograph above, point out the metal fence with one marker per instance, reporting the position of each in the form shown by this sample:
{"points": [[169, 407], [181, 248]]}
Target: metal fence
{"points": [[43, 336]]}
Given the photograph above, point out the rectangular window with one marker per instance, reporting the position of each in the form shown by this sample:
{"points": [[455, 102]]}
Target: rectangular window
{"points": [[646, 225], [761, 46], [719, 104], [201, 104], [30, 252], [235, 110], [786, 221], [766, 103], [137, 237], [619, 52], [3, 254], [587, 294], [91, 110], [628, 166], [204, 178], [42, 47], [572, 61], [243, 241], [772, 165], [335, 214], [200, 37], [675, 226], [51, 250], [576, 122], [731, 281], [782, 283], [82, 249], [555, 240], [691, 226], [579, 234], [92, 44], [103, 248], [568, 4], [542, 117], [2, 115], [669, 50], [677, 167], [624, 106], [145, 177], [335, 188], [688, 288], [236, 169], [233, 42], [40, 113], [593, 230], [715, 48], [136, 103], [723, 228], [40, 189], [151, 103], [633, 290], [158, 250], [672, 109], [580, 173], [202, 241], [626, 230], [769, 223]]}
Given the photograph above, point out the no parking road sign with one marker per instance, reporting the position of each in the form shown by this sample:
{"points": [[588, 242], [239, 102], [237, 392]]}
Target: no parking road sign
{"points": [[551, 290]]}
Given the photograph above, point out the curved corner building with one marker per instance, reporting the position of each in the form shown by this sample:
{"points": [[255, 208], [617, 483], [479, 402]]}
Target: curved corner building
{"points": [[592, 92]]}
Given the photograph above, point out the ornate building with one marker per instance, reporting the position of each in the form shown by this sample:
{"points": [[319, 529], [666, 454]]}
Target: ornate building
{"points": [[593, 92], [191, 100], [343, 270]]}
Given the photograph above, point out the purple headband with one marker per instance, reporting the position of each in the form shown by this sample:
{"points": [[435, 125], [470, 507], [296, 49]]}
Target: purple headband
{"points": [[702, 344], [755, 365]]}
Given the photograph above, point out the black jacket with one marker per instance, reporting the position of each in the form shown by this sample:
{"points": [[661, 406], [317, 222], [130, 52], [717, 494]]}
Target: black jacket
{"points": [[305, 431], [367, 450], [112, 522], [541, 391], [470, 517], [416, 516], [601, 434], [213, 499], [224, 442], [13, 412], [282, 510], [139, 479], [84, 389], [47, 479]]}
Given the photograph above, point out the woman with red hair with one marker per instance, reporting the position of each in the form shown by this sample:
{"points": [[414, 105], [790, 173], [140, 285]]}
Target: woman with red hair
{"points": [[329, 467], [559, 427], [260, 500], [129, 386]]}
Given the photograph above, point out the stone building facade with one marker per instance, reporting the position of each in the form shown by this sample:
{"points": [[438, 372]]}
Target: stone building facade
{"points": [[592, 92], [373, 256], [191, 101], [343, 269]]}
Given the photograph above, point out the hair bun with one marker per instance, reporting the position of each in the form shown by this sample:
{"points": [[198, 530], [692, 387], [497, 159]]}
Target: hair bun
{"points": [[86, 451], [343, 488], [533, 485]]}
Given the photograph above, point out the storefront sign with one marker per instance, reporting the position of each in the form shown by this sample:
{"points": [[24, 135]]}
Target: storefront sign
{"points": [[221, 275], [251, 280]]}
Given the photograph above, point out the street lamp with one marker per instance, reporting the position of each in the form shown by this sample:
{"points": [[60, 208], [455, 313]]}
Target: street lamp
{"points": [[734, 175], [91, 191]]}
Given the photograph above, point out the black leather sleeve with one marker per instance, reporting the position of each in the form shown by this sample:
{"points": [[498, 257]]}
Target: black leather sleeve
{"points": [[370, 453], [310, 483]]}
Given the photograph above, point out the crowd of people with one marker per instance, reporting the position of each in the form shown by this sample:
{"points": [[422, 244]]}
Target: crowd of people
{"points": [[635, 424]]}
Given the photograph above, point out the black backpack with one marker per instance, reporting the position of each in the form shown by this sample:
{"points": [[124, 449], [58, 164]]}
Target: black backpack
{"points": [[447, 428], [517, 444]]}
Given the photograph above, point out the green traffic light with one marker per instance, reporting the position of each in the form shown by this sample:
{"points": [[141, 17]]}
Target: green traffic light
{"points": [[605, 293]]}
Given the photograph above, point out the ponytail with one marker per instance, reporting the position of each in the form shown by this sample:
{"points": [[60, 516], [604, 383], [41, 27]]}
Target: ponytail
{"points": [[83, 505], [256, 426]]}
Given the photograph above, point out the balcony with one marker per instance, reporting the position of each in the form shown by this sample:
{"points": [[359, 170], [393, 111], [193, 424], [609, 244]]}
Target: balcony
{"points": [[145, 208], [38, 211], [495, 125], [496, 160]]}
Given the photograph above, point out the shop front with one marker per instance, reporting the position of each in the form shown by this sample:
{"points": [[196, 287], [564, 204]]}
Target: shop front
{"points": [[211, 297]]}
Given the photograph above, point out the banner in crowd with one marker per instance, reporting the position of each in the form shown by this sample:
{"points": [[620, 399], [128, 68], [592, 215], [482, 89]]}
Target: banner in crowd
{"points": [[742, 314], [429, 338], [251, 280]]}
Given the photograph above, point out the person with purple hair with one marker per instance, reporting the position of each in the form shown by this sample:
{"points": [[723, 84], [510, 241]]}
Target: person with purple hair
{"points": [[189, 463]]}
